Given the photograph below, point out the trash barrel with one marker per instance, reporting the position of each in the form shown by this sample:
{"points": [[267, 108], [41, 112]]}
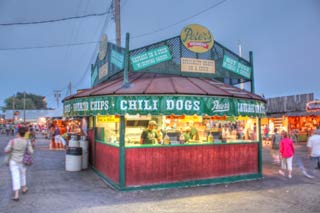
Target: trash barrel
{"points": [[85, 153], [74, 142], [74, 159]]}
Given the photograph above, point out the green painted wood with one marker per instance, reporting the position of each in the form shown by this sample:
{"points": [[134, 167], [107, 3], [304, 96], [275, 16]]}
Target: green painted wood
{"points": [[193, 144], [122, 152], [222, 180], [107, 143], [94, 142], [126, 61], [260, 148], [252, 71], [106, 179]]}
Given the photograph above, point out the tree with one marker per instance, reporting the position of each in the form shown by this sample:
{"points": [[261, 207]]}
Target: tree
{"points": [[32, 101]]}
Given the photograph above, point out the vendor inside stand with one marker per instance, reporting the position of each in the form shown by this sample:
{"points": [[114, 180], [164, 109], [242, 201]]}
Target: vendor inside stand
{"points": [[150, 135], [143, 130]]}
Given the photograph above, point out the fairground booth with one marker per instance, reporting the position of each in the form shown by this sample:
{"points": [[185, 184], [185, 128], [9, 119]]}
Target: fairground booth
{"points": [[207, 130], [297, 114]]}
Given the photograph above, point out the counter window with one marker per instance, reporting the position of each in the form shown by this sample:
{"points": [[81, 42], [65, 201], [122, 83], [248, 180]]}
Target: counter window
{"points": [[189, 129], [108, 128]]}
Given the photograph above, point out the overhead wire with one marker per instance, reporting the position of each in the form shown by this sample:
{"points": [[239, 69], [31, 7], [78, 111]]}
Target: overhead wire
{"points": [[182, 20], [55, 20], [132, 37], [108, 13], [87, 69]]}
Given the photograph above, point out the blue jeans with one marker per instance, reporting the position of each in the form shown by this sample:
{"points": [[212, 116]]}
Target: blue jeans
{"points": [[314, 163]]}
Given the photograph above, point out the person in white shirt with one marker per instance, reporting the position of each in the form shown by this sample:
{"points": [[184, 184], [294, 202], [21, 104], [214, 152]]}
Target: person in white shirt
{"points": [[313, 148]]}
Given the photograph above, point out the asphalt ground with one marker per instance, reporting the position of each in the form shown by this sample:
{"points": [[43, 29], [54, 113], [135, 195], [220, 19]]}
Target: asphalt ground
{"points": [[52, 189]]}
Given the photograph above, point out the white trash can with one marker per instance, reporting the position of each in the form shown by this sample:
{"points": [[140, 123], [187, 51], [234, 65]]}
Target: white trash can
{"points": [[84, 144], [74, 159], [74, 142]]}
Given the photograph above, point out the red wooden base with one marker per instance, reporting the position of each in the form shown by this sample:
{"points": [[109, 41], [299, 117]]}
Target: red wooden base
{"points": [[158, 165], [107, 161]]}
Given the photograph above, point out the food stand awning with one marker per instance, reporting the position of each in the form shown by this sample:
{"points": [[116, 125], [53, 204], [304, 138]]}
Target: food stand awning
{"points": [[164, 94]]}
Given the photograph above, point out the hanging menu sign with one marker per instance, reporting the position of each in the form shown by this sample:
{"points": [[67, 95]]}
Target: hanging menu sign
{"points": [[117, 59], [197, 65], [236, 67], [150, 58]]}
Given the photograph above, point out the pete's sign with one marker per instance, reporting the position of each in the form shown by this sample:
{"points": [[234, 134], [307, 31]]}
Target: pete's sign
{"points": [[196, 38]]}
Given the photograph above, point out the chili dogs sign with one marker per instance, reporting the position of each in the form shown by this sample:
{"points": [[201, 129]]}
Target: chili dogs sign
{"points": [[196, 38], [165, 105]]}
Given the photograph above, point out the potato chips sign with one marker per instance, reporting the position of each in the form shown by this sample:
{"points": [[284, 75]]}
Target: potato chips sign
{"points": [[196, 38]]}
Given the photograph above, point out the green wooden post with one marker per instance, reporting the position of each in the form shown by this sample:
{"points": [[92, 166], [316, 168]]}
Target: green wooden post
{"points": [[122, 156], [252, 71], [259, 148], [94, 142], [126, 62]]}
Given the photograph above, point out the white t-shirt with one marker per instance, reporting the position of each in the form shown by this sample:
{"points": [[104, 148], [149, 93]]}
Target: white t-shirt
{"points": [[314, 144]]}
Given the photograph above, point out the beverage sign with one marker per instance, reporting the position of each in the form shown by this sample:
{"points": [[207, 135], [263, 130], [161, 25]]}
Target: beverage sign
{"points": [[150, 58], [117, 59], [197, 65], [236, 67], [313, 106], [196, 38]]}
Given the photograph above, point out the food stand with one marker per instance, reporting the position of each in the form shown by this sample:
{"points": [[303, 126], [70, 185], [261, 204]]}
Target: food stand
{"points": [[297, 114], [228, 147]]}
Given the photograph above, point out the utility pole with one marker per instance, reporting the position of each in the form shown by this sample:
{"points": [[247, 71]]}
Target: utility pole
{"points": [[70, 88], [57, 95], [117, 20]]}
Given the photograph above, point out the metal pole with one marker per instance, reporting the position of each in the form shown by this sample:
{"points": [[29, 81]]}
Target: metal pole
{"points": [[259, 148], [126, 62], [122, 160], [252, 71]]}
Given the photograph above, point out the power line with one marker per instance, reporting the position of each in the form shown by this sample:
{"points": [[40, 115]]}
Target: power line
{"points": [[182, 20], [55, 20], [51, 46]]}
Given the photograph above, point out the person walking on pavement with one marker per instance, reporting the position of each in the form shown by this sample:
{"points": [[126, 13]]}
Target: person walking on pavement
{"points": [[276, 138], [313, 150], [286, 150], [17, 147]]}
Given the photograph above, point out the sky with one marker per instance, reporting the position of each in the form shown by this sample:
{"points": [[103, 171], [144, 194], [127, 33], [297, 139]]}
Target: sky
{"points": [[40, 58]]}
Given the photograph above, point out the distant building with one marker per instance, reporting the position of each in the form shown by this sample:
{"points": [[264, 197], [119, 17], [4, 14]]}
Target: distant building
{"points": [[30, 115]]}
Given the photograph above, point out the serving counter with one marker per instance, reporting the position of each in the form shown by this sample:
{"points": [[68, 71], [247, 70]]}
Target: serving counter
{"points": [[147, 166]]}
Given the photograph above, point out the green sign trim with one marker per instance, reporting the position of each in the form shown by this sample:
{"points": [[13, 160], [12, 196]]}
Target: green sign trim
{"points": [[150, 58], [163, 105], [236, 67], [117, 59]]}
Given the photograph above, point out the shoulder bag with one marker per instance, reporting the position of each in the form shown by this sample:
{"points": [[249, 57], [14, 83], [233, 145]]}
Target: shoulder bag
{"points": [[27, 158]]}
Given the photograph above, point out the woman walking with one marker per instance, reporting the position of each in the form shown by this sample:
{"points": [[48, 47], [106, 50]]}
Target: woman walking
{"points": [[286, 151], [17, 148]]}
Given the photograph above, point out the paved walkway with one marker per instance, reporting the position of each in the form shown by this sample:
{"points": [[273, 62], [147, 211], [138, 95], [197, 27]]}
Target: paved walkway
{"points": [[52, 189]]}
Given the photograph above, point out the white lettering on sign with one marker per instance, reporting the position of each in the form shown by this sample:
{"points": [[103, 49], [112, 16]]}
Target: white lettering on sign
{"points": [[81, 106], [220, 107], [67, 108], [99, 105], [182, 105], [251, 108], [139, 105]]}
